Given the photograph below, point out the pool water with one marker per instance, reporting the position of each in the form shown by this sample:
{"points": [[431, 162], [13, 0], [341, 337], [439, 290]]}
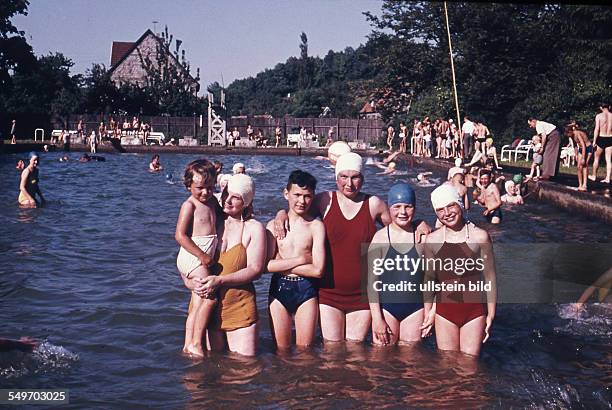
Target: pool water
{"points": [[93, 274]]}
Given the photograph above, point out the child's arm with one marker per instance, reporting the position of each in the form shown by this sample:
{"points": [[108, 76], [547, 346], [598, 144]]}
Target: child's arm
{"points": [[314, 268], [183, 228]]}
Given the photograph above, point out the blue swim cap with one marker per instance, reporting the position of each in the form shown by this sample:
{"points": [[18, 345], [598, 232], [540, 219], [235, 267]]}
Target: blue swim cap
{"points": [[401, 194], [32, 154]]}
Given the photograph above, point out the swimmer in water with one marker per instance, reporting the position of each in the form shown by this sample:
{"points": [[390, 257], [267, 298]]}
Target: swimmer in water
{"points": [[297, 262], [24, 344], [155, 165], [334, 151], [20, 165], [196, 233], [64, 158], [87, 158], [463, 318], [602, 286], [239, 168], [490, 198], [512, 195], [29, 185], [422, 179], [388, 170], [398, 317]]}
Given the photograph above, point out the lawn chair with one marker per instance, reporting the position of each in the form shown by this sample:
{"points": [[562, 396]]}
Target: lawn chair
{"points": [[523, 147]]}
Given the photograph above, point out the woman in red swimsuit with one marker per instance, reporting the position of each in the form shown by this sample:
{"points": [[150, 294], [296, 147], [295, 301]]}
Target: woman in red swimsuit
{"points": [[463, 317]]}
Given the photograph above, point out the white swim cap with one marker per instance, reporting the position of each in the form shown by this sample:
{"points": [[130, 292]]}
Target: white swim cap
{"points": [[509, 185], [444, 195], [457, 162], [237, 165], [242, 185], [392, 165], [349, 162], [224, 178], [454, 171], [337, 149]]}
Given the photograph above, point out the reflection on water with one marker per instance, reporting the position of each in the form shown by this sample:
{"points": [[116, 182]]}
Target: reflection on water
{"points": [[94, 274]]}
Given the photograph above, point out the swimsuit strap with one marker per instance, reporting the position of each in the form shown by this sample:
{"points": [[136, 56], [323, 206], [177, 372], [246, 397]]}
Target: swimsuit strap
{"points": [[467, 231], [389, 234]]}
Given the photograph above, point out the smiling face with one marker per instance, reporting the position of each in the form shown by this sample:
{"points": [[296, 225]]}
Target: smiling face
{"points": [[532, 123], [299, 198], [401, 214], [450, 215], [349, 183], [233, 204], [485, 180], [200, 189]]}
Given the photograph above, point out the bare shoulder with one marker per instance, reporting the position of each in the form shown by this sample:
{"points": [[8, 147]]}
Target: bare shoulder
{"points": [[434, 236], [380, 236], [479, 235], [253, 227], [377, 204], [188, 205], [316, 225]]}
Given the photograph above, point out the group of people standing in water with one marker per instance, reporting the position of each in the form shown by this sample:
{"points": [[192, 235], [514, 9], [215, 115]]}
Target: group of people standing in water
{"points": [[313, 249]]}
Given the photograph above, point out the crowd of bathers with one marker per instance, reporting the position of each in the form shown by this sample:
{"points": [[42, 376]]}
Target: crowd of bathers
{"points": [[313, 250]]}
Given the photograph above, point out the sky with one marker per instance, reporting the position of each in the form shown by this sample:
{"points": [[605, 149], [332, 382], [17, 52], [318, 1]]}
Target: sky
{"points": [[226, 39]]}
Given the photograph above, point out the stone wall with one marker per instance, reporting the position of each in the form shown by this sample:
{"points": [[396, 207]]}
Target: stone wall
{"points": [[130, 70]]}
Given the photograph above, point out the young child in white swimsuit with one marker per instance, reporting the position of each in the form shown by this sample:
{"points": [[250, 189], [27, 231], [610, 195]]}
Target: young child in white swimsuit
{"points": [[196, 233]]}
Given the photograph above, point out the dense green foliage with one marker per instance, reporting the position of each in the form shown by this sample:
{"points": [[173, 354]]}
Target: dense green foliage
{"points": [[303, 86], [512, 61]]}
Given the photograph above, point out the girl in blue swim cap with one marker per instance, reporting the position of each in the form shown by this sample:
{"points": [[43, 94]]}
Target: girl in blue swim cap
{"points": [[394, 275]]}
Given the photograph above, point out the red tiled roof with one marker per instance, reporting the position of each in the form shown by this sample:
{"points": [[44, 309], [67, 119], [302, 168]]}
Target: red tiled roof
{"points": [[119, 49]]}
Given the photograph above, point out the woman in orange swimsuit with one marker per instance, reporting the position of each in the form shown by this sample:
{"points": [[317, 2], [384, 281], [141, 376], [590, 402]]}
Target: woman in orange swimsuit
{"points": [[458, 254], [242, 259]]}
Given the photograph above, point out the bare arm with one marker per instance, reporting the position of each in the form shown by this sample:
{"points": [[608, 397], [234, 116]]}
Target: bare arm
{"points": [[315, 268], [380, 211], [381, 332], [486, 252], [183, 225], [596, 130]]}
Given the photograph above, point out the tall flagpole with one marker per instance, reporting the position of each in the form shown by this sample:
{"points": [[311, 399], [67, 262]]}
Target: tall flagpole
{"points": [[450, 46]]}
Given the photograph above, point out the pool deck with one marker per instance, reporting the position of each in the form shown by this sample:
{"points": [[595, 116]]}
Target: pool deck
{"points": [[596, 203]]}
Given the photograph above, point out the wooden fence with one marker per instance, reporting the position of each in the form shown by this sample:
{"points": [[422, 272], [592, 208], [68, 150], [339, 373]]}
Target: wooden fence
{"points": [[368, 131]]}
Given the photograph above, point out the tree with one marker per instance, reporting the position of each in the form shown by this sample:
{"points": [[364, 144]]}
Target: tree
{"points": [[16, 54], [168, 78]]}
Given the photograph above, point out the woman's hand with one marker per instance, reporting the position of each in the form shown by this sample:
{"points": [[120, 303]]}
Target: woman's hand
{"points": [[381, 332], [281, 224], [428, 322], [488, 328], [209, 285]]}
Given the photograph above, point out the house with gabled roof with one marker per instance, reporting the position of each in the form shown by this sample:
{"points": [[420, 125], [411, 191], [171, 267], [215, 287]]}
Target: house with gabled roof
{"points": [[126, 63]]}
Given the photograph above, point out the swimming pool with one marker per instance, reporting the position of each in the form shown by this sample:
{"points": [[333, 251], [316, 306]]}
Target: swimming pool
{"points": [[94, 274]]}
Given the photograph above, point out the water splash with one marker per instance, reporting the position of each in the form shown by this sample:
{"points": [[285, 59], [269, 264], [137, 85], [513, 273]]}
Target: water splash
{"points": [[592, 319], [44, 358]]}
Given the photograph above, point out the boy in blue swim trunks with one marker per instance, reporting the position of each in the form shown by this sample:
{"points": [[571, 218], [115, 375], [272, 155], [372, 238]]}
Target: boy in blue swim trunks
{"points": [[296, 261]]}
